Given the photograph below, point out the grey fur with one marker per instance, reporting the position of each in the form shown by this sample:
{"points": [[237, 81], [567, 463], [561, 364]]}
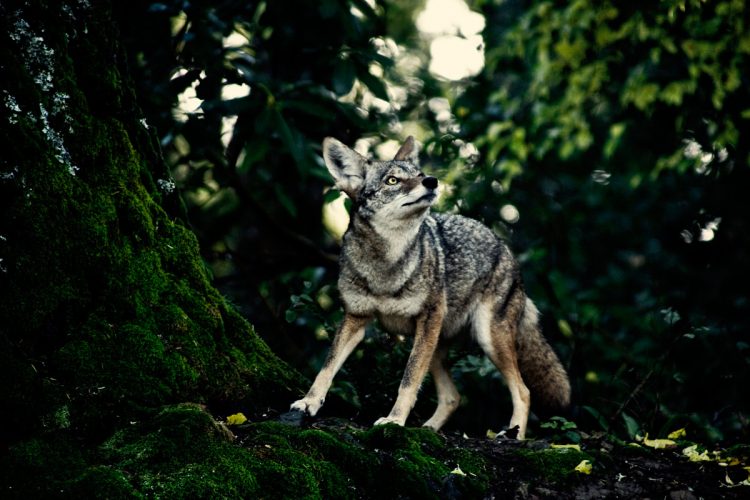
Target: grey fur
{"points": [[432, 275]]}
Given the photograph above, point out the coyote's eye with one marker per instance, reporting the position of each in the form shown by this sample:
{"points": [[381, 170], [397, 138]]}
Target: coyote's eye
{"points": [[391, 181]]}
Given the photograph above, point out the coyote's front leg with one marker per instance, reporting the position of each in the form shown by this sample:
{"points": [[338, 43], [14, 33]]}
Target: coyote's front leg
{"points": [[426, 337], [351, 332]]}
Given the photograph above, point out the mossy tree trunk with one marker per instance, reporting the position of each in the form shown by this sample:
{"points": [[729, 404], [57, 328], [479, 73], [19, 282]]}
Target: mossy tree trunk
{"points": [[106, 309]]}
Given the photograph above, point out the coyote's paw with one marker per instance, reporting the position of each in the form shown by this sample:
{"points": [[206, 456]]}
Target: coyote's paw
{"points": [[389, 420], [431, 424], [308, 405]]}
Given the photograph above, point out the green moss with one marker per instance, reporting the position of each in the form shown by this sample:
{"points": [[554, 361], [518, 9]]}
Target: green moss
{"points": [[553, 464], [393, 436], [286, 469], [181, 453], [475, 467], [410, 464], [386, 461], [42, 466], [101, 482]]}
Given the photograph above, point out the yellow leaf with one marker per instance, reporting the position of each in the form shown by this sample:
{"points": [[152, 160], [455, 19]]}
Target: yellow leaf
{"points": [[658, 444], [729, 461], [236, 419], [692, 453], [679, 433], [566, 446], [491, 434], [584, 467], [458, 471]]}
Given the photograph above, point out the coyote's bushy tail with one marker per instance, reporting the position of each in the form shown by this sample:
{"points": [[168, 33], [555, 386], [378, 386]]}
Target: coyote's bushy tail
{"points": [[540, 367]]}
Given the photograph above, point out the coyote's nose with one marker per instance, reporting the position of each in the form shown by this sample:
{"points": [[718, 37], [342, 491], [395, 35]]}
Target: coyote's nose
{"points": [[430, 182]]}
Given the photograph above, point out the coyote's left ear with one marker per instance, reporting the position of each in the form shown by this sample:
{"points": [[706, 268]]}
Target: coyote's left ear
{"points": [[345, 165], [408, 151]]}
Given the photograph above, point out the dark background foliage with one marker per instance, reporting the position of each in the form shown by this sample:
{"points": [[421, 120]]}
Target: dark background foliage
{"points": [[607, 140]]}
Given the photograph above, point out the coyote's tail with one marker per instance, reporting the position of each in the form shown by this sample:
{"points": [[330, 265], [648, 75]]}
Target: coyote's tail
{"points": [[540, 367]]}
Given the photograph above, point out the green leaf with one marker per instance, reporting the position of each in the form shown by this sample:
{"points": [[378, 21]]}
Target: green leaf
{"points": [[375, 84], [293, 141], [568, 425], [597, 416], [670, 316], [310, 108], [331, 195], [366, 9], [631, 425], [343, 77], [573, 436], [290, 316], [255, 150], [285, 200]]}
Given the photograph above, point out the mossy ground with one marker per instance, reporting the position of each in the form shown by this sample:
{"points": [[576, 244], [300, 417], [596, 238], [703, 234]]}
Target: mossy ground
{"points": [[184, 452]]}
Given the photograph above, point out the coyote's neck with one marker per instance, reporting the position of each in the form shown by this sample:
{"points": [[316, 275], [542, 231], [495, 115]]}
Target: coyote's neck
{"points": [[386, 241]]}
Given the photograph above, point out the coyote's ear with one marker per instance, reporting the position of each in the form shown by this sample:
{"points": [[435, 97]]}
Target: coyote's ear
{"points": [[345, 165], [408, 151]]}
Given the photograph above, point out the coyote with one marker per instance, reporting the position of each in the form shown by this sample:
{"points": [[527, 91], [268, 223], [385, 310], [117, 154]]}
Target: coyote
{"points": [[433, 276]]}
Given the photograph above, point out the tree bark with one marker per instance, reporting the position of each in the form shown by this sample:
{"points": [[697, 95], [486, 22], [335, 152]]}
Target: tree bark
{"points": [[107, 311]]}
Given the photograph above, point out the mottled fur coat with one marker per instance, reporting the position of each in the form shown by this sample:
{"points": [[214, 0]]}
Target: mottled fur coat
{"points": [[433, 276]]}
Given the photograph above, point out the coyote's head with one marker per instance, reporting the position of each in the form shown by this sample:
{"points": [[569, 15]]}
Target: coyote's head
{"points": [[387, 192]]}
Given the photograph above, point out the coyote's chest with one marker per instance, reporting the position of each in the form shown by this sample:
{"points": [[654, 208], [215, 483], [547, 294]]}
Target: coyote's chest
{"points": [[395, 306], [395, 289], [366, 304]]}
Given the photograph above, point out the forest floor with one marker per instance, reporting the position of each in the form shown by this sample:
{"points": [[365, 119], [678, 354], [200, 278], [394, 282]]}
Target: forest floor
{"points": [[616, 472], [598, 467]]}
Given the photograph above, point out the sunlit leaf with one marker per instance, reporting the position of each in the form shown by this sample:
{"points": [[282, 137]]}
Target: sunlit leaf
{"points": [[658, 443], [679, 433], [236, 419], [584, 467], [457, 471], [565, 328], [691, 452]]}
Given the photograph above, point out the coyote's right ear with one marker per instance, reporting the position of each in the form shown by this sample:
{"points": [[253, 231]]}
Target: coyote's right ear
{"points": [[345, 165]]}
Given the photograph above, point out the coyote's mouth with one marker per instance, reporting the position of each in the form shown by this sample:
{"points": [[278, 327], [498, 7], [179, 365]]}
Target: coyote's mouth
{"points": [[427, 197]]}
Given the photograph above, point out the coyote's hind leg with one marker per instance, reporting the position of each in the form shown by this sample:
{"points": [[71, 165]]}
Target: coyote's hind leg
{"points": [[496, 333], [447, 394]]}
